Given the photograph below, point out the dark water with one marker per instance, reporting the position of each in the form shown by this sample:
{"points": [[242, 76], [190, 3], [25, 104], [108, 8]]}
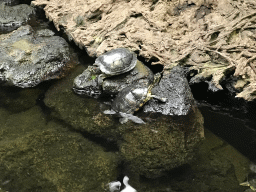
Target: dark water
{"points": [[222, 162], [238, 132], [230, 118]]}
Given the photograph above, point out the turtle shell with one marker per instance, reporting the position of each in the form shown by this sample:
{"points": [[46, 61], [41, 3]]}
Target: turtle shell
{"points": [[116, 61], [130, 99]]}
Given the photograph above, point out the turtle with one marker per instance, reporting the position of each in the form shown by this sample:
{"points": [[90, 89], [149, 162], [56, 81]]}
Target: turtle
{"points": [[87, 82], [115, 62], [131, 98]]}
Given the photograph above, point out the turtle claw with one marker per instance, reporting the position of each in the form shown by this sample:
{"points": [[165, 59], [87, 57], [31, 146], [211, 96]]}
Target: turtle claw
{"points": [[109, 112], [126, 117]]}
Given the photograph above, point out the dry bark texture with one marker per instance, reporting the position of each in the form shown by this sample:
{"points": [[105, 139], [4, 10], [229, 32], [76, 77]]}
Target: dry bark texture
{"points": [[213, 37]]}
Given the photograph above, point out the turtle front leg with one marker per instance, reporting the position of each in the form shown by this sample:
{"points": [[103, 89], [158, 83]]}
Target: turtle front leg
{"points": [[100, 79]]}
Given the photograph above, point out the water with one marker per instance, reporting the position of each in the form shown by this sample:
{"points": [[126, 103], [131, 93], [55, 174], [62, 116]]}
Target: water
{"points": [[41, 152]]}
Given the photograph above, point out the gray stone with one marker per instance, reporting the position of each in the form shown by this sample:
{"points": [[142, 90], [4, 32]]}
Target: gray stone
{"points": [[27, 60], [148, 149], [10, 2], [13, 17], [45, 33], [175, 88]]}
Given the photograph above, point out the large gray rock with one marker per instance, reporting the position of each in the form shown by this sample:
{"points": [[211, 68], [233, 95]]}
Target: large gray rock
{"points": [[13, 17], [11, 2], [150, 150], [173, 86], [28, 59]]}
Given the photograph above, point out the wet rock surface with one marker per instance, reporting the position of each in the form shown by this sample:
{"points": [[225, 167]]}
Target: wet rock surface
{"points": [[27, 59], [173, 86], [13, 17], [212, 171], [165, 142]]}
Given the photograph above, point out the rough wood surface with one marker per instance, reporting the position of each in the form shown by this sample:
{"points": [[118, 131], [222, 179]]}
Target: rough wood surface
{"points": [[214, 37]]}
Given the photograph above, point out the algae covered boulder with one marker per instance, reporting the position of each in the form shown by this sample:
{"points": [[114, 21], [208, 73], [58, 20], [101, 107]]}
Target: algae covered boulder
{"points": [[40, 156], [162, 144], [28, 59], [159, 146], [82, 113]]}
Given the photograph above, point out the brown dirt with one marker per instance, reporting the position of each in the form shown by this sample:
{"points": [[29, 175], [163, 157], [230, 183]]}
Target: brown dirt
{"points": [[214, 37]]}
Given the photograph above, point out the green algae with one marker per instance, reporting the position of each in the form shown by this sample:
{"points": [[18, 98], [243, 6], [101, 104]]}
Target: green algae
{"points": [[40, 156], [174, 148], [164, 145], [81, 113], [217, 167]]}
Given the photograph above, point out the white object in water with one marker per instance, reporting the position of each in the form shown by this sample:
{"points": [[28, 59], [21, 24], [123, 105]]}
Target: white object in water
{"points": [[127, 188], [114, 186]]}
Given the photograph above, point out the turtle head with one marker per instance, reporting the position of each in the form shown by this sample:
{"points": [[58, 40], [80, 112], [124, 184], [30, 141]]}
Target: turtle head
{"points": [[87, 86]]}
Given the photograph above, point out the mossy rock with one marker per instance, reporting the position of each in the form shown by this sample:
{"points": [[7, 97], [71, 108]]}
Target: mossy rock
{"points": [[40, 156], [83, 114], [151, 150]]}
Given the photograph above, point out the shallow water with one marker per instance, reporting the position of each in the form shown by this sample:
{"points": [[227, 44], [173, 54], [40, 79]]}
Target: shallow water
{"points": [[36, 151], [39, 152]]}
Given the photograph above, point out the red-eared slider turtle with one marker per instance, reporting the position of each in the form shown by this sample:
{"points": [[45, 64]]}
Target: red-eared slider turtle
{"points": [[131, 98], [115, 62]]}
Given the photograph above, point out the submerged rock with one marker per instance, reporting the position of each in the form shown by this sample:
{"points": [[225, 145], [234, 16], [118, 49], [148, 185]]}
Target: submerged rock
{"points": [[173, 86], [150, 149], [27, 59], [46, 156], [162, 144], [12, 18], [83, 114], [16, 99]]}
